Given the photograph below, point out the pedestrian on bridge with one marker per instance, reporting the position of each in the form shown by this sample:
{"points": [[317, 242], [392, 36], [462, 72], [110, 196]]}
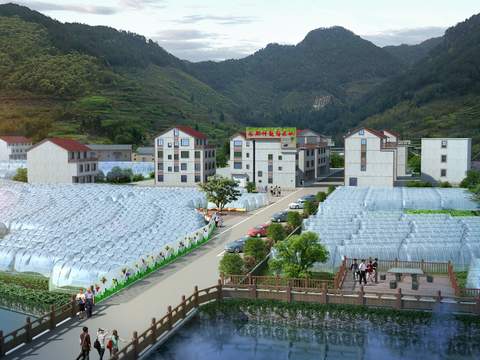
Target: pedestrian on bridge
{"points": [[100, 342], [85, 345], [89, 302], [113, 343]]}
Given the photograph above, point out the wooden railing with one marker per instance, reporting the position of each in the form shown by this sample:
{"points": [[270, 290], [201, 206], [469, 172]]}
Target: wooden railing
{"points": [[31, 329], [429, 267], [340, 275], [273, 282]]}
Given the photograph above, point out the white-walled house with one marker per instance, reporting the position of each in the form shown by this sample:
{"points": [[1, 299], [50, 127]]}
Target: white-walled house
{"points": [[446, 159], [61, 161], [183, 157], [14, 147], [374, 158]]}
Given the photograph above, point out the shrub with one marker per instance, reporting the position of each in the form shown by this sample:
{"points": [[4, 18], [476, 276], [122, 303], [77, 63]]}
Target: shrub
{"points": [[445, 184], [414, 183], [231, 264], [100, 177], [21, 175], [120, 176], [336, 161], [138, 177], [472, 180], [249, 262], [152, 175], [321, 196], [309, 208], [276, 232], [256, 248], [331, 189], [294, 219], [251, 187]]}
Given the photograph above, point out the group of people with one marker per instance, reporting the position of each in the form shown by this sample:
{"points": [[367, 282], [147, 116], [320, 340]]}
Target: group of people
{"points": [[275, 190], [365, 272], [218, 220], [104, 340], [85, 302]]}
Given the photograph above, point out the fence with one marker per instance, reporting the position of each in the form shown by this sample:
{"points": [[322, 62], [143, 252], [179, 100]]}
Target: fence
{"points": [[31, 329], [459, 291], [426, 266]]}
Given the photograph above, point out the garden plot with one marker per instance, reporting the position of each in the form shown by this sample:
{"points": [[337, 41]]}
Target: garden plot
{"points": [[78, 234]]}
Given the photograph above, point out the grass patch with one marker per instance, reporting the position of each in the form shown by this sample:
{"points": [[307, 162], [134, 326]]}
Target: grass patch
{"points": [[451, 212]]}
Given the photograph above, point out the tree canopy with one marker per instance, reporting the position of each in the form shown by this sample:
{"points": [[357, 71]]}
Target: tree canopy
{"points": [[220, 191]]}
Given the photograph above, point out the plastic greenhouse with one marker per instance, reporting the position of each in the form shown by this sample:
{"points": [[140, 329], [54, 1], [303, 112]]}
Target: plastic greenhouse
{"points": [[9, 168], [143, 168], [372, 222]]}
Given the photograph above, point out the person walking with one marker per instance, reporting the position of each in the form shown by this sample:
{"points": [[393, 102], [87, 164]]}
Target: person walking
{"points": [[80, 299], [279, 191], [100, 342], [375, 270], [85, 345], [114, 343], [89, 302], [370, 271], [363, 272], [354, 270]]}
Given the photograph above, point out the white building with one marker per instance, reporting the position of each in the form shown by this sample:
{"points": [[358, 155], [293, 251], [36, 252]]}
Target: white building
{"points": [[374, 158], [183, 157], [269, 162], [14, 147], [144, 154], [56, 160], [111, 152], [446, 159]]}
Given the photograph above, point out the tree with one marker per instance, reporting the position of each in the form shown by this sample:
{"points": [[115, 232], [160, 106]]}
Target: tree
{"points": [[321, 196], [294, 257], [472, 179], [255, 247], [331, 189], [118, 175], [336, 161], [415, 164], [309, 208], [294, 219], [251, 187], [231, 264], [220, 191], [276, 232], [21, 175]]}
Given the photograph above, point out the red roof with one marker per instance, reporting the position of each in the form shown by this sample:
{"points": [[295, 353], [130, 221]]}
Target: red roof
{"points": [[67, 144], [10, 139], [192, 132], [374, 132], [394, 133]]}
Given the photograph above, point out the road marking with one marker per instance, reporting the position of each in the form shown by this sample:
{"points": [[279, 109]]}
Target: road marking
{"points": [[221, 254], [262, 210]]}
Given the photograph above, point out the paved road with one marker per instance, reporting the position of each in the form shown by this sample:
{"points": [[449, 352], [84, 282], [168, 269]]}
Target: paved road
{"points": [[134, 308]]}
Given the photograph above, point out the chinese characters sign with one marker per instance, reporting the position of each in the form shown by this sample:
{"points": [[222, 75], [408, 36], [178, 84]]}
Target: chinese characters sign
{"points": [[270, 133]]}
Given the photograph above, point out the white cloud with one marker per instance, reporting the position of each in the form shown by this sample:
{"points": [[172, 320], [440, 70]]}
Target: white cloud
{"points": [[218, 19], [408, 36], [80, 8]]}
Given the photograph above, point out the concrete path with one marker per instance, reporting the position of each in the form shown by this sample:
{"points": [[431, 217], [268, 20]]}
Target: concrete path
{"points": [[133, 309]]}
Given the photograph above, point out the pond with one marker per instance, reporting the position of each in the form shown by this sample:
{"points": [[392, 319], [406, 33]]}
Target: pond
{"points": [[11, 320], [214, 339]]}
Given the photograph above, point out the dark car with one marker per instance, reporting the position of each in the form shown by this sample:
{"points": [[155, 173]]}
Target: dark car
{"points": [[280, 216], [309, 197], [236, 246]]}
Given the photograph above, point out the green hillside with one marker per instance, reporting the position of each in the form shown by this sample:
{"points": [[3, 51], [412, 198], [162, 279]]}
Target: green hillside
{"points": [[97, 84], [410, 54]]}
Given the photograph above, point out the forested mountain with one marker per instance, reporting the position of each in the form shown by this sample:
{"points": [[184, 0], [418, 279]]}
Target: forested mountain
{"points": [[101, 84], [410, 54], [97, 83], [329, 65]]}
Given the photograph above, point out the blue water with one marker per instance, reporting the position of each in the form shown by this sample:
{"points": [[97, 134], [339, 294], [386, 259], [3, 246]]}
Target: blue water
{"points": [[202, 339], [11, 320]]}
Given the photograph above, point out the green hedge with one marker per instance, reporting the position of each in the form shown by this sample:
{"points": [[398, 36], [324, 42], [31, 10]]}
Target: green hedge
{"points": [[451, 212]]}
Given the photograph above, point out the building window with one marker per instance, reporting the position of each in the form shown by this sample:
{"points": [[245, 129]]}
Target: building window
{"points": [[237, 142], [87, 167], [175, 156], [169, 169], [160, 154], [175, 144], [260, 173], [270, 167], [175, 132], [197, 154], [247, 143], [72, 155], [363, 167], [160, 178], [169, 157], [247, 155], [175, 168], [443, 172], [279, 168], [237, 154], [183, 166], [237, 165], [197, 178], [363, 155], [247, 166], [280, 157], [185, 154], [444, 144], [169, 144], [81, 168], [185, 142], [361, 132], [160, 142], [364, 141], [183, 178], [94, 167], [160, 166], [270, 180], [270, 156], [444, 158]]}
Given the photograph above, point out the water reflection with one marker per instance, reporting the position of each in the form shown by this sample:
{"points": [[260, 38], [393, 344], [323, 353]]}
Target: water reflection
{"points": [[205, 339], [11, 320]]}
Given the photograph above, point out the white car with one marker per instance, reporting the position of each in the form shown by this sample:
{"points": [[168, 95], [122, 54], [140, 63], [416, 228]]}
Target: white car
{"points": [[297, 204]]}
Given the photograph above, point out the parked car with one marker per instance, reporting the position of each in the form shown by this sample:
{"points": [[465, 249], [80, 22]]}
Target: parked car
{"points": [[297, 204], [280, 216], [309, 197], [258, 231], [237, 245]]}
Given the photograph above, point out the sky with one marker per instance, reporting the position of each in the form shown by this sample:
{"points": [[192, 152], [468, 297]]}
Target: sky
{"points": [[217, 30]]}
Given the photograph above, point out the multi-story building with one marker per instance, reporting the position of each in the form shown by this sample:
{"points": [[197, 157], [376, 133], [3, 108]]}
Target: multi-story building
{"points": [[14, 147], [446, 159], [374, 158], [144, 154], [183, 157], [118, 152], [56, 160], [269, 160]]}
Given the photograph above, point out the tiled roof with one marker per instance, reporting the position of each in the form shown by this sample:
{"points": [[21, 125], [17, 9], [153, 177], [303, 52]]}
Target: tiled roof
{"points": [[11, 139], [67, 144], [192, 132]]}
